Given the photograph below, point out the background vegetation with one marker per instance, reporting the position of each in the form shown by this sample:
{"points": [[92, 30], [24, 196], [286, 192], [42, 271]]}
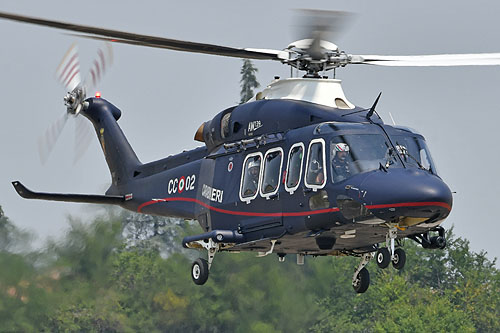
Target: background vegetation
{"points": [[125, 272]]}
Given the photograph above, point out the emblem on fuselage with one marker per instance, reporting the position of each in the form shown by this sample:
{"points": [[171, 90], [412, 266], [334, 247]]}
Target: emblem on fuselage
{"points": [[254, 125]]}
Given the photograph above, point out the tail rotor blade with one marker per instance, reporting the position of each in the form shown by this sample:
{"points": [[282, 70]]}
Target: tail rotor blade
{"points": [[47, 142], [100, 65], [83, 135], [68, 71]]}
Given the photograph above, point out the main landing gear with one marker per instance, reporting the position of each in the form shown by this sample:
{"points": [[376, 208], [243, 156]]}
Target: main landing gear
{"points": [[201, 267], [361, 277]]}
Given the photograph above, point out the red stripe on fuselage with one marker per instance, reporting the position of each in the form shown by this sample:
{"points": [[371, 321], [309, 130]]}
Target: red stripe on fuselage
{"points": [[306, 213], [410, 204]]}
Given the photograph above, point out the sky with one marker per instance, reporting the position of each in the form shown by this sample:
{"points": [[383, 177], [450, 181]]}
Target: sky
{"points": [[165, 95]]}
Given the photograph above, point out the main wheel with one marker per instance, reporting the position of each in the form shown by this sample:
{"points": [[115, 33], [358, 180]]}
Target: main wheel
{"points": [[383, 257], [399, 259], [362, 281], [199, 271]]}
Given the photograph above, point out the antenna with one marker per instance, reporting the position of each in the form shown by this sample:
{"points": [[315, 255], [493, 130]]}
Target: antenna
{"points": [[393, 122], [372, 109]]}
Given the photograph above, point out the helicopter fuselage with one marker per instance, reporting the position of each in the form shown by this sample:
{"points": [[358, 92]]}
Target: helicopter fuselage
{"points": [[296, 195]]}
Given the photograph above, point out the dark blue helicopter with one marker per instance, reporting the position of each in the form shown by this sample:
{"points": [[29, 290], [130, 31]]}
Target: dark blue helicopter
{"points": [[296, 170]]}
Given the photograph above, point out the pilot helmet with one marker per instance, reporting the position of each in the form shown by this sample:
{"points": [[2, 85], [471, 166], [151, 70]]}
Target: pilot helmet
{"points": [[342, 147], [341, 150]]}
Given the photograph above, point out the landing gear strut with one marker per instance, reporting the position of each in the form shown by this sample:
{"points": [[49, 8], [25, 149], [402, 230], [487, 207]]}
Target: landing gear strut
{"points": [[201, 267], [361, 277]]}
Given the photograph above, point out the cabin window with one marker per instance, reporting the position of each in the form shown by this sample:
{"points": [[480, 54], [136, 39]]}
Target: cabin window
{"points": [[294, 167], [271, 172], [250, 177], [316, 165]]}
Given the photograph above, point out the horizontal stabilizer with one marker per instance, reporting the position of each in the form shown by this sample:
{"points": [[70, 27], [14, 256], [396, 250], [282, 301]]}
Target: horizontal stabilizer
{"points": [[87, 198]]}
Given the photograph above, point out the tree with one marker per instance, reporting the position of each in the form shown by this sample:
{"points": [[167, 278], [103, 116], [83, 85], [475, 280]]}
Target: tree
{"points": [[111, 275], [248, 81], [12, 239]]}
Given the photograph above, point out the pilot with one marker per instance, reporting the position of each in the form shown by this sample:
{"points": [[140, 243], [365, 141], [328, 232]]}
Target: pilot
{"points": [[253, 178], [340, 165]]}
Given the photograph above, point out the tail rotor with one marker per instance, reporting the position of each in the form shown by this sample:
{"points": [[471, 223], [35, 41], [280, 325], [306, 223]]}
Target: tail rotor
{"points": [[69, 75]]}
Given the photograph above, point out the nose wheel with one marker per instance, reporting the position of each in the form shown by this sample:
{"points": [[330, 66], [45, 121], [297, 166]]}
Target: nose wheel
{"points": [[399, 259], [383, 257], [386, 255]]}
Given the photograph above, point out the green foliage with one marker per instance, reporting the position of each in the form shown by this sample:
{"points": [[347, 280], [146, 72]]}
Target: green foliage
{"points": [[248, 80], [11, 238], [94, 281]]}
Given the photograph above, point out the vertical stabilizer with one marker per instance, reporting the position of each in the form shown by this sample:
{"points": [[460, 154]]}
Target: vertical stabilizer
{"points": [[120, 156]]}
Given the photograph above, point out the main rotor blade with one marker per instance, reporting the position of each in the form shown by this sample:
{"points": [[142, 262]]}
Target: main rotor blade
{"points": [[147, 40], [472, 59]]}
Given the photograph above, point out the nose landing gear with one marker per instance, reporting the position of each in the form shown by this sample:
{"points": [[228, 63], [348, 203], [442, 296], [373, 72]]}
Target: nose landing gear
{"points": [[383, 257], [399, 259], [386, 255]]}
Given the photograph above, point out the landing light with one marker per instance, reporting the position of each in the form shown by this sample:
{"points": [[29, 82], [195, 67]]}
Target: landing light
{"points": [[98, 94]]}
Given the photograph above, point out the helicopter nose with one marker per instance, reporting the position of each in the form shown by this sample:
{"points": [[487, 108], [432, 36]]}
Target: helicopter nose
{"points": [[411, 194]]}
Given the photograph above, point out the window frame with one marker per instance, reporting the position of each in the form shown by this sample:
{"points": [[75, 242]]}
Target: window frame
{"points": [[291, 190], [261, 180], [243, 171], [313, 186]]}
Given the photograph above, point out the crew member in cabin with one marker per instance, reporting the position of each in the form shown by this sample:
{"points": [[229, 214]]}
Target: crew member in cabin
{"points": [[341, 168], [252, 184]]}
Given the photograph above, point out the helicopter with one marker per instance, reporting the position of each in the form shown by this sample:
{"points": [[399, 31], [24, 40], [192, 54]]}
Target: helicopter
{"points": [[268, 179]]}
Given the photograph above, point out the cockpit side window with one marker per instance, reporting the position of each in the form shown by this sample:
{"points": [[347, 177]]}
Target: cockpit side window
{"points": [[271, 172], [294, 167], [340, 156], [316, 165], [250, 177], [414, 152]]}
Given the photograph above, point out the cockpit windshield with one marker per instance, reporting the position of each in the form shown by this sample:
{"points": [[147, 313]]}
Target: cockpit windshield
{"points": [[354, 153], [414, 152]]}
